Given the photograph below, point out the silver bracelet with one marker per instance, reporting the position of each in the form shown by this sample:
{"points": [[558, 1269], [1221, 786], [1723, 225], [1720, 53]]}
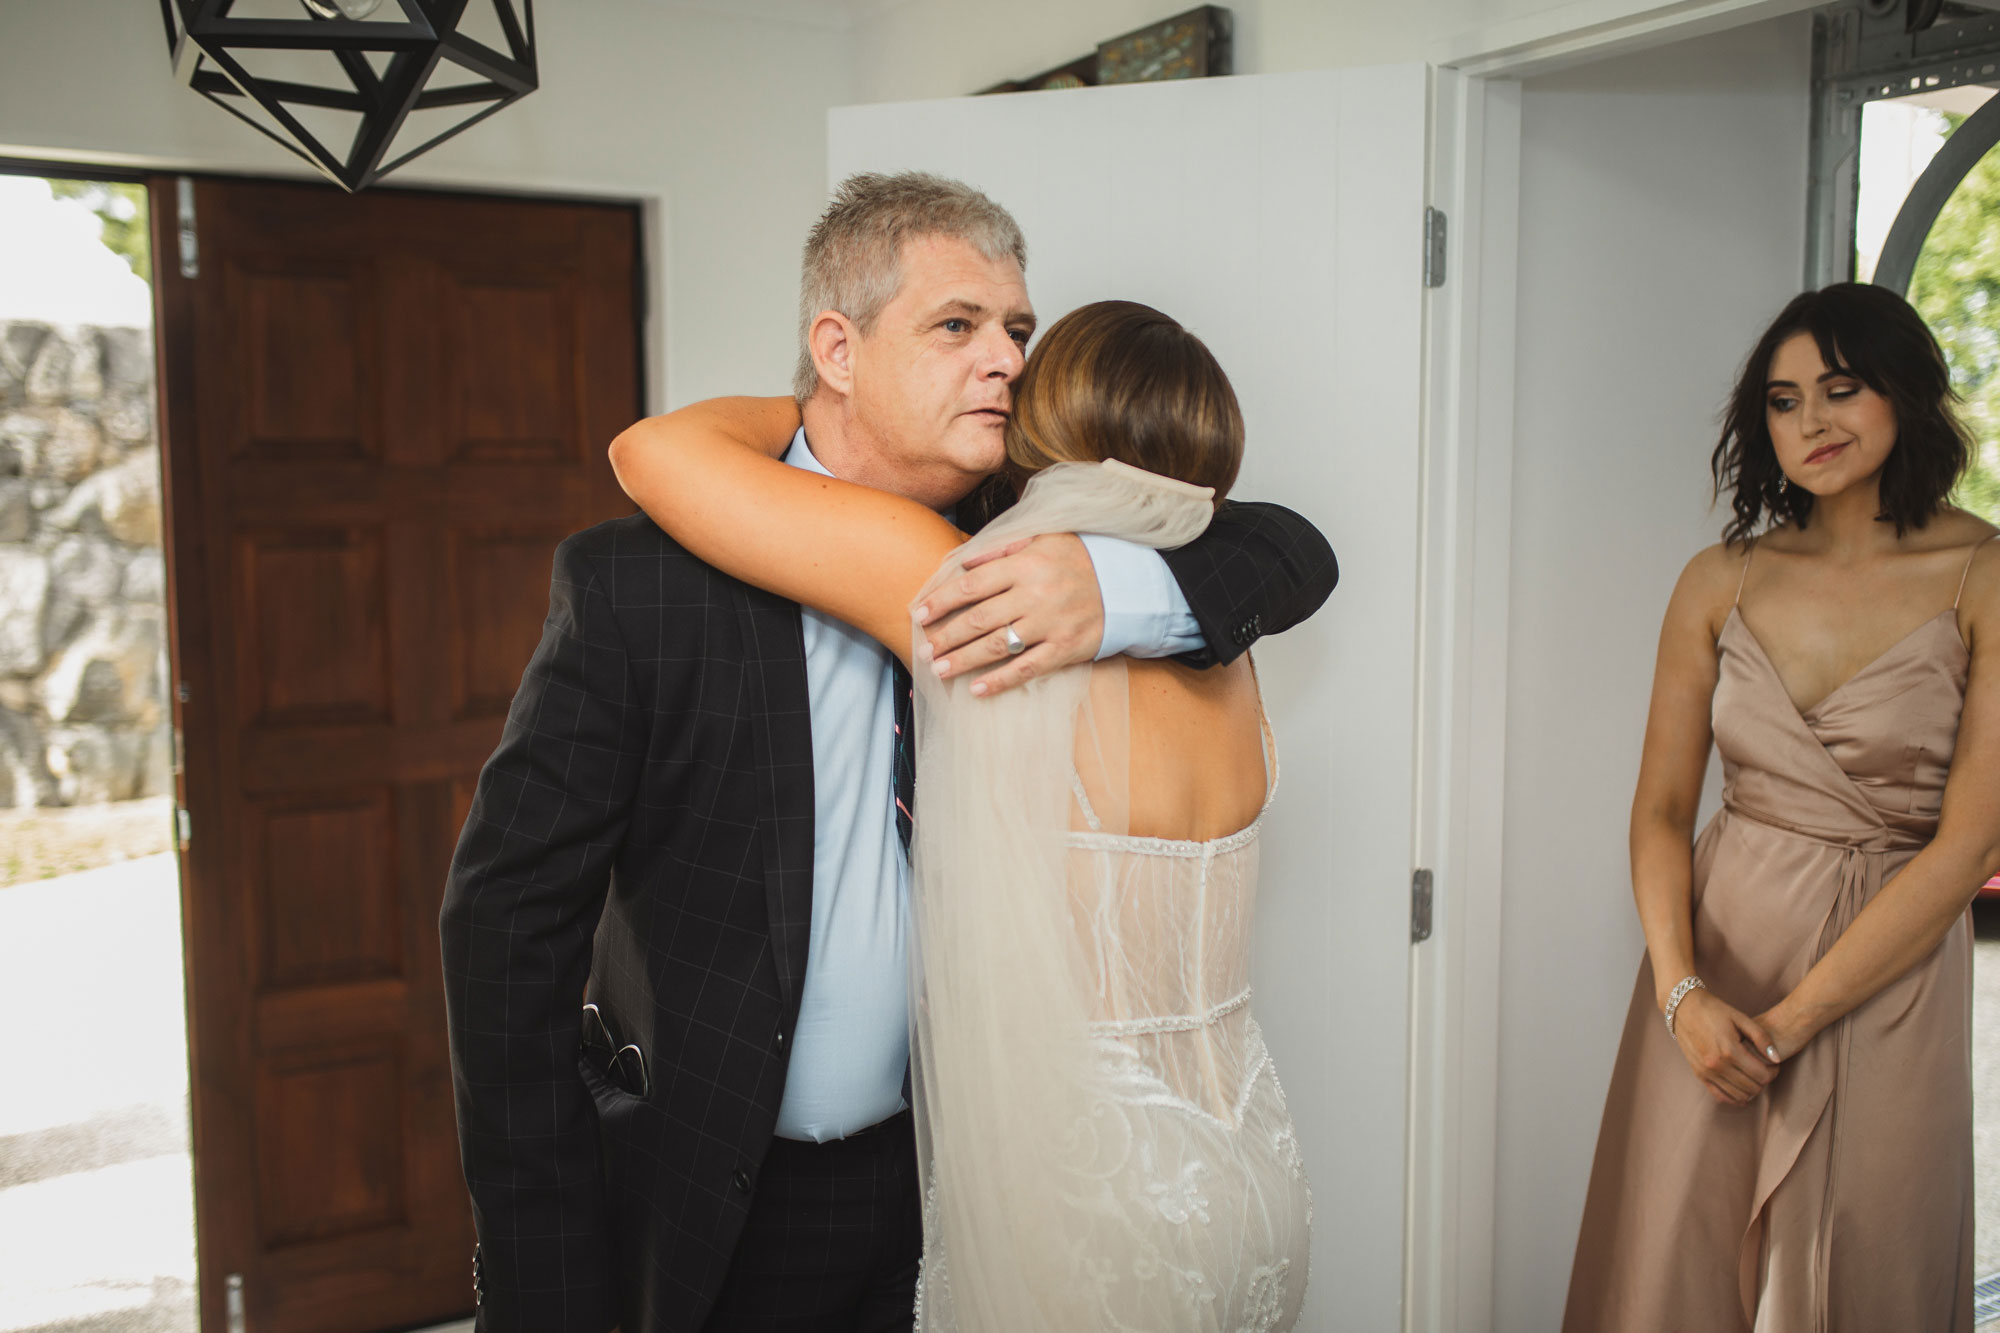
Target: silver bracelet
{"points": [[1681, 992]]}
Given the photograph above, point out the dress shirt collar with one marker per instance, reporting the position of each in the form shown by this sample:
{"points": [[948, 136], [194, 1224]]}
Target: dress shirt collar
{"points": [[800, 455]]}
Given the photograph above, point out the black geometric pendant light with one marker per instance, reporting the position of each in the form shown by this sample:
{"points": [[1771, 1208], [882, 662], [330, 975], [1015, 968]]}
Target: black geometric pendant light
{"points": [[353, 91]]}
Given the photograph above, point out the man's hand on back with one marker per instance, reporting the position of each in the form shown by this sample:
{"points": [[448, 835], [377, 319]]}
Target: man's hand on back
{"points": [[1045, 587]]}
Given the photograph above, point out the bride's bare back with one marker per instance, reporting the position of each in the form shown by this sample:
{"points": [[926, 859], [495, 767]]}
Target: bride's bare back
{"points": [[1197, 750], [1108, 1142]]}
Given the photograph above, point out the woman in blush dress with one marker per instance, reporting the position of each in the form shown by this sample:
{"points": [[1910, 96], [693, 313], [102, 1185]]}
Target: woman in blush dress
{"points": [[1791, 1148], [1102, 1139]]}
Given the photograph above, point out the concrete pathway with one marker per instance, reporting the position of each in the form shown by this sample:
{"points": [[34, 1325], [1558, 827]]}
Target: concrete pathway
{"points": [[96, 1186]]}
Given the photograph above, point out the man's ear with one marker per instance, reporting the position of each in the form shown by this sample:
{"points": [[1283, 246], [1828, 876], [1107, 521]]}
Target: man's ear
{"points": [[832, 339]]}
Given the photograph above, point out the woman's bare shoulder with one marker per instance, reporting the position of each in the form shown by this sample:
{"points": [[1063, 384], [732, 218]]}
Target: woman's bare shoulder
{"points": [[1708, 585], [1961, 527], [1721, 563], [1164, 682], [1979, 595]]}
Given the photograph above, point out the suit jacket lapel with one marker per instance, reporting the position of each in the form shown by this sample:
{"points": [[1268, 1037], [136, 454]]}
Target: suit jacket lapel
{"points": [[780, 714]]}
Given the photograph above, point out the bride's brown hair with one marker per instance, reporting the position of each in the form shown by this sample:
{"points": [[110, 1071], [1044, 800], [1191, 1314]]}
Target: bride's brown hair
{"points": [[1116, 379]]}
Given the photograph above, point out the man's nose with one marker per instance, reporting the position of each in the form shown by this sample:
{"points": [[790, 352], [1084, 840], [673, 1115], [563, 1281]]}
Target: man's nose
{"points": [[1003, 359]]}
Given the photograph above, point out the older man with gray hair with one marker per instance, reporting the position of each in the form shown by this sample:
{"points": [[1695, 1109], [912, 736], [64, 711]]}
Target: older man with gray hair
{"points": [[675, 931]]}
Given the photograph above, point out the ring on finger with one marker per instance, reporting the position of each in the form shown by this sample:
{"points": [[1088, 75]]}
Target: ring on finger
{"points": [[1016, 645]]}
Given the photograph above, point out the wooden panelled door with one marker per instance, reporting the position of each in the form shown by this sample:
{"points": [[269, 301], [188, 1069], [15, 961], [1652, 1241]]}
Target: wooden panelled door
{"points": [[382, 412]]}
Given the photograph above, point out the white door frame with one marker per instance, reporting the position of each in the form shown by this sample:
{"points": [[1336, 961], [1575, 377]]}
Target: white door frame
{"points": [[1585, 30], [1466, 546]]}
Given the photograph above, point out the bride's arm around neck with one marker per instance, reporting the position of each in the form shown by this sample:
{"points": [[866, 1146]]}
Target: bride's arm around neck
{"points": [[712, 475]]}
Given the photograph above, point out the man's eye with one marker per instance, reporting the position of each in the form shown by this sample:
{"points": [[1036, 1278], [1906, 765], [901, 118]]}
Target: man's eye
{"points": [[958, 326], [1020, 336]]}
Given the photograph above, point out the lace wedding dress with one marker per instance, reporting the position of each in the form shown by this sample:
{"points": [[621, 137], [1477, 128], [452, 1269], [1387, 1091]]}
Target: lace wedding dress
{"points": [[1102, 1138]]}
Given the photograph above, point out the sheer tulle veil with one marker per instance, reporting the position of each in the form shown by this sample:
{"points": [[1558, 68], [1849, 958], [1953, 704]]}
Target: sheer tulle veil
{"points": [[1009, 1101]]}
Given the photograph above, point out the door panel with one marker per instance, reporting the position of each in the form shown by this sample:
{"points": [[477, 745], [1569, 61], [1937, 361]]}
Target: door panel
{"points": [[382, 413], [1279, 217]]}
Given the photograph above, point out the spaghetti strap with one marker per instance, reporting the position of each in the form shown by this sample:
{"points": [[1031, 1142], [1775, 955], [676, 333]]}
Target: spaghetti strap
{"points": [[1968, 568], [1270, 739], [1083, 801], [1267, 738], [1745, 575]]}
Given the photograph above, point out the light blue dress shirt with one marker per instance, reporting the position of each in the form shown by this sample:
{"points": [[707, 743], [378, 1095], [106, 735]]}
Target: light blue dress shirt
{"points": [[853, 1040]]}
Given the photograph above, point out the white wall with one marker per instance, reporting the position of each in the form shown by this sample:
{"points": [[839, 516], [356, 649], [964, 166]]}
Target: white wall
{"points": [[1662, 224], [940, 48], [716, 112], [712, 109], [913, 49]]}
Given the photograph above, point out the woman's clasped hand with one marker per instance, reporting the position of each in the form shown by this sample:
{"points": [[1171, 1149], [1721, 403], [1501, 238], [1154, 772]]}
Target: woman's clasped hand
{"points": [[1724, 1047]]}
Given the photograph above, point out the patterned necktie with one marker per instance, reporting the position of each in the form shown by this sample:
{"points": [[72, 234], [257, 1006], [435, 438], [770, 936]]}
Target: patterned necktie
{"points": [[906, 752]]}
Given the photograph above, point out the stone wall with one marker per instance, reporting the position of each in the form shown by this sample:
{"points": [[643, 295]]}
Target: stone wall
{"points": [[83, 710]]}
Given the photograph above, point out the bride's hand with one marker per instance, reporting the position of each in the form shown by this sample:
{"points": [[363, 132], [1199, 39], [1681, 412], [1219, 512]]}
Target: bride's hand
{"points": [[1044, 587], [1724, 1047]]}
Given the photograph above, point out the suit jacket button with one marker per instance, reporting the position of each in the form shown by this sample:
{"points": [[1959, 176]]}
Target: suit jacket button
{"points": [[778, 1041], [742, 1181]]}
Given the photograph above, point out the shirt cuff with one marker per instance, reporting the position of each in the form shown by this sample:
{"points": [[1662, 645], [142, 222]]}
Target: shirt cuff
{"points": [[1145, 614]]}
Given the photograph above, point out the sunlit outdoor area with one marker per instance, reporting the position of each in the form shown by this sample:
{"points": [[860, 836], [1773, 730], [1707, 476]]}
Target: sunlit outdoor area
{"points": [[96, 1199], [1957, 283], [1956, 287]]}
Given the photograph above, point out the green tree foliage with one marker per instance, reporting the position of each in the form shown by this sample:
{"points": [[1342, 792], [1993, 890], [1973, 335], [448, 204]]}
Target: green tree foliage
{"points": [[121, 206], [1956, 288]]}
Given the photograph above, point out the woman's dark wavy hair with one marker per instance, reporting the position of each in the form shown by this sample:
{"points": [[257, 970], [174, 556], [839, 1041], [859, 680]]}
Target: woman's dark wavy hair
{"points": [[1872, 334]]}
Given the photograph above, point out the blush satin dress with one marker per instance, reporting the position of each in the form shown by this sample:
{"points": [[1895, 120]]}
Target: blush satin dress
{"points": [[1840, 1201]]}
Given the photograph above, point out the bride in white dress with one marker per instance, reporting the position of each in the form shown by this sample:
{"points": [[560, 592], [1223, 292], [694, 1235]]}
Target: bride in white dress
{"points": [[1102, 1138], [1101, 1133]]}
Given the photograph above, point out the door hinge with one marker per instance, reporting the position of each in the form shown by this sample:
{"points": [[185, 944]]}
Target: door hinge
{"points": [[233, 1302], [190, 247], [184, 826], [1434, 233], [1420, 906]]}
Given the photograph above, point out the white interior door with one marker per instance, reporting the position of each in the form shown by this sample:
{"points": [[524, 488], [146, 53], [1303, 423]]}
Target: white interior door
{"points": [[1279, 217]]}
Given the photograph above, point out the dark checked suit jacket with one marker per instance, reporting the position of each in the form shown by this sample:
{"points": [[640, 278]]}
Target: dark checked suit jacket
{"points": [[644, 836]]}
